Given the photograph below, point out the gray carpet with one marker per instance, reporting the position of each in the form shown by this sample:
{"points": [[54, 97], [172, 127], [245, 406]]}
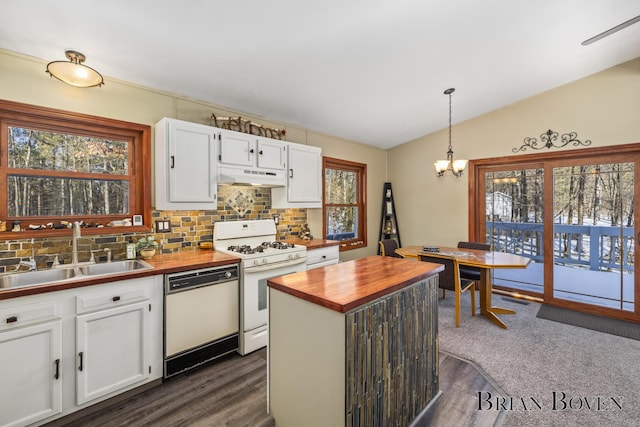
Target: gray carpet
{"points": [[590, 321], [549, 363]]}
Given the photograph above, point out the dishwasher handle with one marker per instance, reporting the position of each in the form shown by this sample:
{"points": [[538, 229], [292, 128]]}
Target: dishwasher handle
{"points": [[178, 282]]}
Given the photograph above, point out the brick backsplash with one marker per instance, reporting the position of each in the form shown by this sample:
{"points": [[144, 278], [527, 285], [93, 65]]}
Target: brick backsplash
{"points": [[188, 229]]}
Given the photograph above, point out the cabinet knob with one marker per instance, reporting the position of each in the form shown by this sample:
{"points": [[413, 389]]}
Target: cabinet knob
{"points": [[290, 173], [116, 298], [251, 151], [260, 152], [12, 319]]}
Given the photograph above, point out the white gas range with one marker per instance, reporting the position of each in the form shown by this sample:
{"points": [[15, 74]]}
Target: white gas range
{"points": [[262, 258]]}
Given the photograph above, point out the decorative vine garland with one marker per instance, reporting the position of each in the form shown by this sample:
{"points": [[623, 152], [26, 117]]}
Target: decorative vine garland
{"points": [[247, 126]]}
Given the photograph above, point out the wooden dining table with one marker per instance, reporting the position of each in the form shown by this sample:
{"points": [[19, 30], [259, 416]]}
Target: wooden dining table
{"points": [[486, 261]]}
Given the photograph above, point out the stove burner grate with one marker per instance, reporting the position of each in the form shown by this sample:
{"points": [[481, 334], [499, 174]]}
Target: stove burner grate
{"points": [[246, 249]]}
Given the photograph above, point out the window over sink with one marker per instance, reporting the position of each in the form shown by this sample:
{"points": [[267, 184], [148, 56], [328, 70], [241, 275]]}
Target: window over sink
{"points": [[61, 166]]}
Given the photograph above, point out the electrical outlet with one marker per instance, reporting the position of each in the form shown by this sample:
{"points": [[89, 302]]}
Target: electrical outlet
{"points": [[163, 226]]}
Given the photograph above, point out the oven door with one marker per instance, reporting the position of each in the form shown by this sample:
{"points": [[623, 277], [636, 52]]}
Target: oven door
{"points": [[254, 301]]}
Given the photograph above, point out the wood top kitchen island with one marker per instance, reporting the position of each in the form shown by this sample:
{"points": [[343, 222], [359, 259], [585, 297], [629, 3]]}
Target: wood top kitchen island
{"points": [[353, 343]]}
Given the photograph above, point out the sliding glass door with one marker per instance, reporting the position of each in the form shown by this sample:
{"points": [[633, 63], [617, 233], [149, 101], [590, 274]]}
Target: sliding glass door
{"points": [[514, 209], [574, 214], [593, 234]]}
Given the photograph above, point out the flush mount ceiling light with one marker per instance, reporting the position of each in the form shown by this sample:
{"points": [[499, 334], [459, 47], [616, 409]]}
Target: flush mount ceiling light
{"points": [[456, 167], [73, 72]]}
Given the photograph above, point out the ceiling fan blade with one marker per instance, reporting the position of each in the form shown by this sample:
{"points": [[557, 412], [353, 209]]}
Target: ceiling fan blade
{"points": [[611, 31]]}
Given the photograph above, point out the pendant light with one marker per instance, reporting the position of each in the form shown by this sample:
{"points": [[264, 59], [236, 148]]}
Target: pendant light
{"points": [[73, 72], [456, 167]]}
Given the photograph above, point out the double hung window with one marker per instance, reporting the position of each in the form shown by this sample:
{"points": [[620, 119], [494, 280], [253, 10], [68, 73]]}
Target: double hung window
{"points": [[344, 204]]}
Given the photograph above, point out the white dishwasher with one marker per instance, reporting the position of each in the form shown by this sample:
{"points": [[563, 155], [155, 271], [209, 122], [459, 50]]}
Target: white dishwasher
{"points": [[201, 317]]}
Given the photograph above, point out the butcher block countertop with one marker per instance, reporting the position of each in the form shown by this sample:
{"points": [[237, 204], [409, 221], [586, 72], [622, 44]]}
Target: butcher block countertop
{"points": [[348, 285], [163, 264], [314, 243], [184, 261]]}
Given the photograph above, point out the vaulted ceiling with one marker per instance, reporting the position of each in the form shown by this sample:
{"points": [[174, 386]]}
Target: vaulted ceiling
{"points": [[372, 71]]}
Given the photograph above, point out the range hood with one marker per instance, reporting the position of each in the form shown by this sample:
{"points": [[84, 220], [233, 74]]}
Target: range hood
{"points": [[251, 176]]}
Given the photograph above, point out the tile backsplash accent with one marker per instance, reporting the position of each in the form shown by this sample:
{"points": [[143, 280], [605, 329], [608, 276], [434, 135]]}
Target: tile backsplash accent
{"points": [[188, 229]]}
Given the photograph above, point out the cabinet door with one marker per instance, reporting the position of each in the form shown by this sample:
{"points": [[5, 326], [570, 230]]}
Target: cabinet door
{"points": [[192, 163], [112, 350], [271, 154], [305, 174], [30, 373], [237, 148]]}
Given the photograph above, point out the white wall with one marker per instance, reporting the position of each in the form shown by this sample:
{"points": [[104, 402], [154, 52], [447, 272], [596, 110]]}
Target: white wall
{"points": [[603, 108]]}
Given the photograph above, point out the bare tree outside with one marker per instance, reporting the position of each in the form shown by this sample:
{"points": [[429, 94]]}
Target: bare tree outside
{"points": [[60, 174], [340, 196]]}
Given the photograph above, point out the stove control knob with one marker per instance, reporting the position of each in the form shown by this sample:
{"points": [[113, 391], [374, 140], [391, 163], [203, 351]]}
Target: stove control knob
{"points": [[264, 260], [227, 275], [290, 256], [297, 255], [256, 262]]}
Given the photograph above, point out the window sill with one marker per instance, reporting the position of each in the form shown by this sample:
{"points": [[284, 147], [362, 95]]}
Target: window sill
{"points": [[89, 231], [349, 245]]}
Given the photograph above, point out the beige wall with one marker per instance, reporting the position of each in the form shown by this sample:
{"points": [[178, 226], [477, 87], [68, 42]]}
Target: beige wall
{"points": [[603, 108], [23, 79], [376, 161]]}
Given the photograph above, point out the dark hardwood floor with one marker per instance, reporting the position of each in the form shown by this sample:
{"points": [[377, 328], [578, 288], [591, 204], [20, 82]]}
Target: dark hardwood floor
{"points": [[232, 392], [457, 405]]}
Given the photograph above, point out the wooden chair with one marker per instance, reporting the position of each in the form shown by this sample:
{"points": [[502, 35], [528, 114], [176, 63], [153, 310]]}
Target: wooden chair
{"points": [[450, 279], [468, 272], [388, 248]]}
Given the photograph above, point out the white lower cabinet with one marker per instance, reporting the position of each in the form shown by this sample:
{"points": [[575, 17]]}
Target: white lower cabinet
{"points": [[69, 349], [112, 350], [30, 376], [321, 257]]}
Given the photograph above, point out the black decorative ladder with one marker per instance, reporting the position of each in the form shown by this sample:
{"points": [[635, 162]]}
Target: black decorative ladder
{"points": [[388, 220]]}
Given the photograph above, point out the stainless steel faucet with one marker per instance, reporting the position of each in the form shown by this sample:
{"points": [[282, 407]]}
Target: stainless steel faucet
{"points": [[92, 260], [32, 261], [74, 244]]}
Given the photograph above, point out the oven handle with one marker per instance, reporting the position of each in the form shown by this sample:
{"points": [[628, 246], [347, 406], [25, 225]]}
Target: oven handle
{"points": [[274, 266]]}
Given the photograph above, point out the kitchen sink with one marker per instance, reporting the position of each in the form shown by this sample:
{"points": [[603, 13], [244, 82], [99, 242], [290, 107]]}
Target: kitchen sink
{"points": [[31, 278], [60, 274], [115, 267]]}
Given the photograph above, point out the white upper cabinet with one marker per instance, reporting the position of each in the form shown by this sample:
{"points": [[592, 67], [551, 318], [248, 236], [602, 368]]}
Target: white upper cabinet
{"points": [[236, 148], [250, 159], [185, 165], [271, 153], [243, 149], [304, 179]]}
